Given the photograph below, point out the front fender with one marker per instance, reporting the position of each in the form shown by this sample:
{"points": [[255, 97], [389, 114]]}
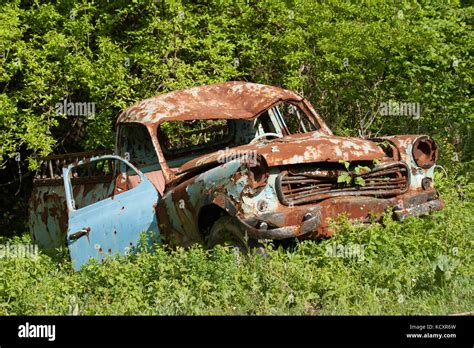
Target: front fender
{"points": [[180, 207], [421, 176]]}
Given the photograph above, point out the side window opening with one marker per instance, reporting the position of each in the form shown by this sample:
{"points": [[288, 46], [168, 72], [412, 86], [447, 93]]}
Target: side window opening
{"points": [[194, 137], [265, 124], [284, 118], [95, 181], [290, 119], [136, 146]]}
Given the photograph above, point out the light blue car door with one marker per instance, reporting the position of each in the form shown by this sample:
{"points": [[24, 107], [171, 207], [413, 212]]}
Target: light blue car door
{"points": [[112, 225]]}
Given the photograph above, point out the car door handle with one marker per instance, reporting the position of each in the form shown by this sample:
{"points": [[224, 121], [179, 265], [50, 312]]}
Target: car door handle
{"points": [[76, 235]]}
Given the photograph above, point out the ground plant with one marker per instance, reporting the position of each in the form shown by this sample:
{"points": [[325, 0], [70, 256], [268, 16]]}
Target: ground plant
{"points": [[418, 266]]}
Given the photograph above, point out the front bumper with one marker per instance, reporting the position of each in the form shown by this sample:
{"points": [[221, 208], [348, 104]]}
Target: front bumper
{"points": [[310, 221], [306, 226], [418, 210]]}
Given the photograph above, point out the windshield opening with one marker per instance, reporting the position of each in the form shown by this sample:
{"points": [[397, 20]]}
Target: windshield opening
{"points": [[182, 141]]}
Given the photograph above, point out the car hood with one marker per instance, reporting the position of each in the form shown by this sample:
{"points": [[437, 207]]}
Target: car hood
{"points": [[296, 149]]}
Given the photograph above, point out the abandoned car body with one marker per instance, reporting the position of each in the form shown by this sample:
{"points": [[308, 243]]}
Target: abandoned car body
{"points": [[235, 161]]}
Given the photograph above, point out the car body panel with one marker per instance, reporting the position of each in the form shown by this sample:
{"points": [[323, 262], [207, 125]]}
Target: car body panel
{"points": [[289, 185], [112, 225]]}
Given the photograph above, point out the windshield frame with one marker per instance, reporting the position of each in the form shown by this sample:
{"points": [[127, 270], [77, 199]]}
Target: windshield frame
{"points": [[170, 172]]}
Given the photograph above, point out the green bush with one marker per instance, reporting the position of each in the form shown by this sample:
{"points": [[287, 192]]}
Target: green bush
{"points": [[346, 58]]}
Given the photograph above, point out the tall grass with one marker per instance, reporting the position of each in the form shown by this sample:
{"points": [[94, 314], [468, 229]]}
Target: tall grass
{"points": [[419, 266]]}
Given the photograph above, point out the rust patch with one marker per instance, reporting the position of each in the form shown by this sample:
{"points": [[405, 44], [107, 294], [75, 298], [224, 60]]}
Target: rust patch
{"points": [[425, 152], [230, 100], [258, 174], [298, 150], [302, 187]]}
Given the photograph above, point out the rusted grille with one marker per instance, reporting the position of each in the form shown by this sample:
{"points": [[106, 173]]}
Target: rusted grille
{"points": [[301, 187]]}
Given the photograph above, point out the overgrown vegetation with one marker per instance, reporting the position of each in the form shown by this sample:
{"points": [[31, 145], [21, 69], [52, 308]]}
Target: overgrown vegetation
{"points": [[346, 58], [419, 266]]}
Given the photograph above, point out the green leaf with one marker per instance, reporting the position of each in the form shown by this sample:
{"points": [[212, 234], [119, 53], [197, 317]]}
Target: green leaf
{"points": [[359, 181], [344, 177], [346, 164], [361, 170]]}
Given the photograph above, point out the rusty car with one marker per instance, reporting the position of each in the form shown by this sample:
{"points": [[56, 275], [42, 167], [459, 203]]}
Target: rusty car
{"points": [[234, 162]]}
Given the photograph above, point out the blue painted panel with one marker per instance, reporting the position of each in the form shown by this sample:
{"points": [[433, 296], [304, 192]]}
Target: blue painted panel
{"points": [[113, 225]]}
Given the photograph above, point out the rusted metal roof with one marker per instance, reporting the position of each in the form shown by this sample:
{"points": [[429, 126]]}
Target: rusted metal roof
{"points": [[228, 100]]}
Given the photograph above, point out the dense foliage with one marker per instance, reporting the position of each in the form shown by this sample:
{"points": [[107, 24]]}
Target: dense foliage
{"points": [[346, 58], [420, 266]]}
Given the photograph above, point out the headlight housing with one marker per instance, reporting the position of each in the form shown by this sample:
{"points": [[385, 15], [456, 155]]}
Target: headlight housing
{"points": [[258, 172], [425, 152]]}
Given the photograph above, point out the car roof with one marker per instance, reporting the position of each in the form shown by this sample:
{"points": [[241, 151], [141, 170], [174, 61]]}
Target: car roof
{"points": [[228, 100]]}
